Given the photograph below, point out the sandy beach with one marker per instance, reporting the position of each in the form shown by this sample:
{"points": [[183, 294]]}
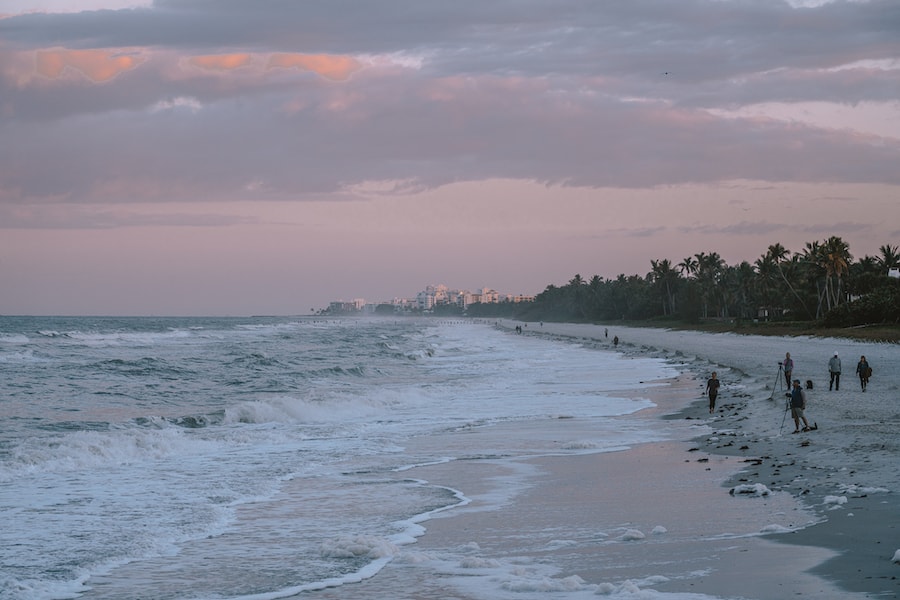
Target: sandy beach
{"points": [[811, 515], [846, 472]]}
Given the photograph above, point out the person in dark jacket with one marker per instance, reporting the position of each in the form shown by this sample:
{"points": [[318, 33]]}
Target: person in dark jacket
{"points": [[864, 371], [712, 390]]}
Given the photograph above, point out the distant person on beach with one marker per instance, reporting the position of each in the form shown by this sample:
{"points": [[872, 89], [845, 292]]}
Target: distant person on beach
{"points": [[788, 366], [798, 405], [864, 371], [605, 333], [616, 341], [712, 390], [834, 370]]}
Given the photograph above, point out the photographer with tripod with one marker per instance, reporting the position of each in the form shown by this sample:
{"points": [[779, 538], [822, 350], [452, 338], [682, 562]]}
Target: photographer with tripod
{"points": [[798, 405]]}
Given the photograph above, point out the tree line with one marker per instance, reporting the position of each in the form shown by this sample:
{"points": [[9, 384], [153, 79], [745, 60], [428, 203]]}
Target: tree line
{"points": [[820, 283]]}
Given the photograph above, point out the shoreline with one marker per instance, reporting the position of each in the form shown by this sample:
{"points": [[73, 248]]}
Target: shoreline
{"points": [[596, 500], [845, 472], [656, 519]]}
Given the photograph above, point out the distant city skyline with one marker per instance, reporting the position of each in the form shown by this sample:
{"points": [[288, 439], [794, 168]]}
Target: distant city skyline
{"points": [[197, 158], [433, 295]]}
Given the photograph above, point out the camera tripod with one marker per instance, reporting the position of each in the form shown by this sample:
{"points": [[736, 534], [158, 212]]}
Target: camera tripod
{"points": [[778, 385]]}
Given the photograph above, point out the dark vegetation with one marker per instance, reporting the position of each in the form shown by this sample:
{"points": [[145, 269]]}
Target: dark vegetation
{"points": [[820, 290]]}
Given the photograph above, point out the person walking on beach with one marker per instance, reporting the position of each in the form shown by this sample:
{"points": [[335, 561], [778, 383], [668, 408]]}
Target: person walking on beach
{"points": [[788, 367], [798, 405], [864, 371], [616, 341], [712, 390], [834, 370]]}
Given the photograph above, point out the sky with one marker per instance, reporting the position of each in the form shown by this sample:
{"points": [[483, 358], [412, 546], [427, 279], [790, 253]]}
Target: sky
{"points": [[245, 157]]}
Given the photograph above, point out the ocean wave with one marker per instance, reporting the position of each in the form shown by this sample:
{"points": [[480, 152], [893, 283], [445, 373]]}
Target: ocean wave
{"points": [[332, 372], [143, 367], [117, 338], [255, 360], [186, 422], [91, 449], [25, 356], [420, 354], [52, 334], [14, 338], [287, 409]]}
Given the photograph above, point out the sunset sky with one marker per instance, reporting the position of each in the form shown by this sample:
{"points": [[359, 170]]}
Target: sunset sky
{"points": [[237, 157]]}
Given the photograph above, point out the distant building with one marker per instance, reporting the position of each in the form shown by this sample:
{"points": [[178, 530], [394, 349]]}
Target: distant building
{"points": [[432, 296], [346, 308], [426, 301], [895, 272], [488, 296], [404, 304]]}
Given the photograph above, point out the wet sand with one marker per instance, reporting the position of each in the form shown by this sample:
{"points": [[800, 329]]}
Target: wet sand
{"points": [[648, 521]]}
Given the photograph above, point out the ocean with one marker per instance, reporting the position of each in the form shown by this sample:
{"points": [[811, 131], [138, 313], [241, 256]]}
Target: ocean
{"points": [[239, 458]]}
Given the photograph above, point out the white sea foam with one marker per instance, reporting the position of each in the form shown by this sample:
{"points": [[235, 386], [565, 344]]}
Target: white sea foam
{"points": [[632, 535], [751, 489], [835, 501], [13, 338], [28, 356], [358, 546], [277, 466], [84, 451]]}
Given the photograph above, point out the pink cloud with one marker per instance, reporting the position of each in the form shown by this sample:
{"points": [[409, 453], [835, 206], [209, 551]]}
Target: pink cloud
{"points": [[335, 67], [221, 62], [96, 65]]}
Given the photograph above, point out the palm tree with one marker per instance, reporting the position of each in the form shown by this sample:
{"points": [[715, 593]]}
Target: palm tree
{"points": [[780, 256], [777, 252], [865, 276], [836, 258], [889, 259], [766, 282], [709, 270], [575, 295], [867, 264], [595, 296], [665, 277], [727, 287], [688, 266], [741, 285], [814, 258]]}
